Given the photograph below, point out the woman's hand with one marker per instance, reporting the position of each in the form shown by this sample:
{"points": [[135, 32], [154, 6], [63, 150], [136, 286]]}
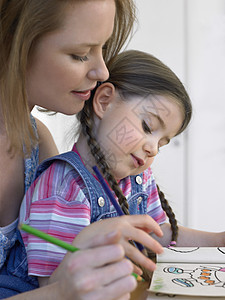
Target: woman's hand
{"points": [[132, 227], [98, 273]]}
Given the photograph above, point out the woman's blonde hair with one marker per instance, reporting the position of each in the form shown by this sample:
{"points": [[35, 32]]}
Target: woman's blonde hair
{"points": [[22, 24]]}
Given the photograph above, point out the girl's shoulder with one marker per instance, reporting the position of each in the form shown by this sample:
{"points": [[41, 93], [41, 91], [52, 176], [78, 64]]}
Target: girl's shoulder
{"points": [[60, 180], [58, 186]]}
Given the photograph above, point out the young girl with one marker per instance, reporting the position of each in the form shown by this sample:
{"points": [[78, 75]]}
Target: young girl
{"points": [[139, 109], [51, 56]]}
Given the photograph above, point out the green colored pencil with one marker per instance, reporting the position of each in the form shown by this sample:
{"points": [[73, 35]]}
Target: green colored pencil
{"points": [[58, 242], [48, 238]]}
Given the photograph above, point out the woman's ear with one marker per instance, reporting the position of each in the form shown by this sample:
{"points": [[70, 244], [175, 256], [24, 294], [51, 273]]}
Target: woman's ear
{"points": [[103, 96]]}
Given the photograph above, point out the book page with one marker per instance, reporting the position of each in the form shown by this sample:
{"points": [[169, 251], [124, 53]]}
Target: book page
{"points": [[159, 296], [180, 276], [193, 255]]}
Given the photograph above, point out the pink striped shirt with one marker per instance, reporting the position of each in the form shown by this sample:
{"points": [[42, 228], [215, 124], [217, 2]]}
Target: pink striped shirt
{"points": [[57, 203]]}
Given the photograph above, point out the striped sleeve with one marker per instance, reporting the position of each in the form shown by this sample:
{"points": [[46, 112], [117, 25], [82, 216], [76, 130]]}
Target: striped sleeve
{"points": [[59, 207], [154, 207]]}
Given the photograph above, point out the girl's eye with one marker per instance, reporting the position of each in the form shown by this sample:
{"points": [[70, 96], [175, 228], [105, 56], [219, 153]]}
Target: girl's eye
{"points": [[145, 127], [80, 58]]}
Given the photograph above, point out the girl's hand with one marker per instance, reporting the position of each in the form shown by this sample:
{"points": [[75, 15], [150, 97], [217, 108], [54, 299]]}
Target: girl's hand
{"points": [[132, 227], [98, 273]]}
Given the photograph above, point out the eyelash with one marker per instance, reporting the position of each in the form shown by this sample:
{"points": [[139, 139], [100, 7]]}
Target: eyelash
{"points": [[85, 58], [104, 47], [145, 127], [80, 58]]}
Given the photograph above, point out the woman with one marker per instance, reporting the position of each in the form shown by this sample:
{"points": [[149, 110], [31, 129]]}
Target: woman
{"points": [[39, 40]]}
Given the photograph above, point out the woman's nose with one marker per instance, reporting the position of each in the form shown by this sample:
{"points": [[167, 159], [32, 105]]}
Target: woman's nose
{"points": [[99, 71]]}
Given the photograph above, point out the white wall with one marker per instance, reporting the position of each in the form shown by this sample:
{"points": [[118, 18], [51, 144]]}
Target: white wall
{"points": [[162, 32], [206, 146], [189, 36]]}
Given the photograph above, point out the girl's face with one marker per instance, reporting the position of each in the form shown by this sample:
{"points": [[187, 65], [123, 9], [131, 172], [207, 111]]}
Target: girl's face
{"points": [[131, 132], [67, 63]]}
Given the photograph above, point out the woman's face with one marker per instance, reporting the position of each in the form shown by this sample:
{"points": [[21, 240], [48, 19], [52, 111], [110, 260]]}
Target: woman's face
{"points": [[67, 63]]}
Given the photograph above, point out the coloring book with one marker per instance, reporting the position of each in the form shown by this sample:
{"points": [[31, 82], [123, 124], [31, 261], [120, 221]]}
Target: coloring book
{"points": [[192, 271]]}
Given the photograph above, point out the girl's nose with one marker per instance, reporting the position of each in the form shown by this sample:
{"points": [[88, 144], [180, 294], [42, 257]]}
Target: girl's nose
{"points": [[151, 148], [99, 71]]}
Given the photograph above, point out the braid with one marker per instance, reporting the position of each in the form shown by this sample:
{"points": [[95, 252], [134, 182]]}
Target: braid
{"points": [[172, 219], [100, 158], [101, 162]]}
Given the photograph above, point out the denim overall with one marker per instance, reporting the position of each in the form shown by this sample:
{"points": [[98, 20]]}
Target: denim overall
{"points": [[13, 257], [99, 201]]}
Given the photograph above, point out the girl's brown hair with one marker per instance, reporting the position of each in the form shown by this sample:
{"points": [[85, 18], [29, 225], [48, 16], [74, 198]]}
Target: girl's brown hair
{"points": [[141, 74], [22, 24]]}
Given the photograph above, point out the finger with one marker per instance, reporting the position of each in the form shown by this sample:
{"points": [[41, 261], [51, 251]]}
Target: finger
{"points": [[97, 257], [119, 289], [107, 239], [137, 270], [125, 297], [96, 240], [139, 258], [104, 276], [148, 241], [146, 223], [143, 238]]}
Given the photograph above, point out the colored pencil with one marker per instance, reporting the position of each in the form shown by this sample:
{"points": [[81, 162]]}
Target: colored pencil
{"points": [[51, 239], [113, 200], [47, 237]]}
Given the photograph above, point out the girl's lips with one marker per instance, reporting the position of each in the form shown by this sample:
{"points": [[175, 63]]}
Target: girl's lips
{"points": [[138, 162], [84, 95]]}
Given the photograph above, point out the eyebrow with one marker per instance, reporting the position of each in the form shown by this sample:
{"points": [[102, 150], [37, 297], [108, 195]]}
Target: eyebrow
{"points": [[158, 118], [81, 46]]}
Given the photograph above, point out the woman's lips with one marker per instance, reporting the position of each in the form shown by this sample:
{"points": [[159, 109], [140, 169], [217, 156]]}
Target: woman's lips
{"points": [[138, 162], [84, 95]]}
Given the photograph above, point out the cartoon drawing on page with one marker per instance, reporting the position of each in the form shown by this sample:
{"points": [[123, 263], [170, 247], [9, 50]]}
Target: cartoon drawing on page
{"points": [[204, 275]]}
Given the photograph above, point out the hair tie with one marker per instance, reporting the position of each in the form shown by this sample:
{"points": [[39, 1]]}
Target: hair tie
{"points": [[172, 244]]}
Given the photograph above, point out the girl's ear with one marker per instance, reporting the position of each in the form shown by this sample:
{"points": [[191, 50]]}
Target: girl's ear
{"points": [[103, 96]]}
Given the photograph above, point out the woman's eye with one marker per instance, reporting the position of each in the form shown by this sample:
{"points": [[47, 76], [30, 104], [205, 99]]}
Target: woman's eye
{"points": [[105, 46], [80, 58], [145, 127]]}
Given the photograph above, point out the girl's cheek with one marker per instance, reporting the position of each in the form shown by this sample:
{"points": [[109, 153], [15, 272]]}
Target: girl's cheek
{"points": [[125, 135]]}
